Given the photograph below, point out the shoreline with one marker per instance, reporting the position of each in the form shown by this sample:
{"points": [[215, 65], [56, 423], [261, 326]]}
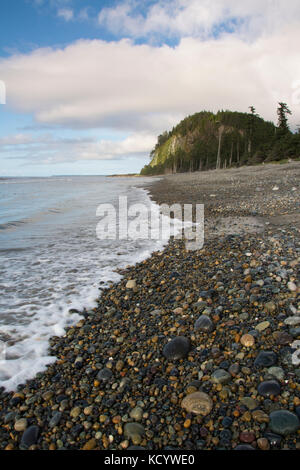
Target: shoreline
{"points": [[111, 369]]}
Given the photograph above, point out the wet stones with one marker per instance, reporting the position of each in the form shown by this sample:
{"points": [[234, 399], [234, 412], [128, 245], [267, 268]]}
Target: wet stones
{"points": [[75, 412], [29, 437], [249, 402], [90, 445], [276, 372], [177, 348], [260, 416], [269, 388], [247, 340], [292, 321], [55, 419], [292, 286], [263, 443], [21, 425], [262, 326], [284, 422], [204, 324], [104, 375], [270, 307], [198, 403], [221, 376], [265, 359], [136, 413], [284, 338], [133, 429], [131, 284]]}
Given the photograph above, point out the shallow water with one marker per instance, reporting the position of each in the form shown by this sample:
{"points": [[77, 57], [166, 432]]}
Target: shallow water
{"points": [[51, 261]]}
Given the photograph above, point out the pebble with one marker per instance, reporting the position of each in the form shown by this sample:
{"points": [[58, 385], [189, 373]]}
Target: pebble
{"points": [[136, 413], [104, 375], [292, 286], [262, 326], [75, 412], [284, 422], [55, 419], [292, 321], [198, 403], [221, 376], [76, 405], [204, 324], [263, 443], [247, 340], [260, 416], [133, 429], [21, 425], [131, 284], [177, 348], [90, 445], [270, 307], [247, 437], [29, 437], [265, 359], [249, 402], [276, 372], [269, 388]]}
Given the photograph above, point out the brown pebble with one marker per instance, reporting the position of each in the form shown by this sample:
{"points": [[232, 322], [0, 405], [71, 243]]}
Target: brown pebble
{"points": [[90, 445], [247, 340], [263, 443]]}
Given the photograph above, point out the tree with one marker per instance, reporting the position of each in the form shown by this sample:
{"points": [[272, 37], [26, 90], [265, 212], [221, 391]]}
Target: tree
{"points": [[282, 112], [251, 124]]}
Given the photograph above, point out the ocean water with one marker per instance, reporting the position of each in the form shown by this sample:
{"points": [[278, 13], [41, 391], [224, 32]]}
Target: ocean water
{"points": [[51, 261]]}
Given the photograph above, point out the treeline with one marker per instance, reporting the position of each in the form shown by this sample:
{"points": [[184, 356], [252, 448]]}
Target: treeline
{"points": [[206, 141]]}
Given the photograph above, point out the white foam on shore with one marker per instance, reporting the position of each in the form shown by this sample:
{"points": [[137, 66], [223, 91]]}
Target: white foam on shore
{"points": [[43, 285]]}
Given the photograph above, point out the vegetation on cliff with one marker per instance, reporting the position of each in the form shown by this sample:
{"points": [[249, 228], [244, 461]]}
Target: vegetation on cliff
{"points": [[206, 141]]}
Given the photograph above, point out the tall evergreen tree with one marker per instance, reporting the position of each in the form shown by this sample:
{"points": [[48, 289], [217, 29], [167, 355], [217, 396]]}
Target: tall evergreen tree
{"points": [[282, 112], [251, 125]]}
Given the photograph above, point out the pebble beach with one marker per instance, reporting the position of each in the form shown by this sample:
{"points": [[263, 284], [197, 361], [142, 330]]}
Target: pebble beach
{"points": [[191, 350]]}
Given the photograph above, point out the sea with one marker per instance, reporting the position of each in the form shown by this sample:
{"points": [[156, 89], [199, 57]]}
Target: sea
{"points": [[52, 263]]}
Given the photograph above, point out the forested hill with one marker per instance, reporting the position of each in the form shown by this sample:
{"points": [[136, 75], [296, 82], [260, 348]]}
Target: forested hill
{"points": [[206, 141]]}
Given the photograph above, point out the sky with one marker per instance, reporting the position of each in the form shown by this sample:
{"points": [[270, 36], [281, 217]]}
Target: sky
{"points": [[86, 86]]}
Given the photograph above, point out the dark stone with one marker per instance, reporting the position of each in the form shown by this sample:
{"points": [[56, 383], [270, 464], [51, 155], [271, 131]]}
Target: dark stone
{"points": [[29, 437], [225, 435], [104, 375], [178, 348], [274, 439], [227, 422], [284, 338], [265, 359], [284, 422], [268, 388], [55, 419], [205, 324]]}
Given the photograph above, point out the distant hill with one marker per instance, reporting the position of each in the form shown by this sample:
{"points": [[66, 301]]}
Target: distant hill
{"points": [[206, 141]]}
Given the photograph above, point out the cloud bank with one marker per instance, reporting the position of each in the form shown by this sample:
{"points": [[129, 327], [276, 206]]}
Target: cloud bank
{"points": [[47, 149], [144, 89]]}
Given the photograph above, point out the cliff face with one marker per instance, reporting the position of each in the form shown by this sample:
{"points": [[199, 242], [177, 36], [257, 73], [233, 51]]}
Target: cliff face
{"points": [[206, 141]]}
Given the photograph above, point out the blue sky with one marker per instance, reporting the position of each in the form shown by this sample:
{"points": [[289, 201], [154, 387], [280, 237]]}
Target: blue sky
{"points": [[90, 84]]}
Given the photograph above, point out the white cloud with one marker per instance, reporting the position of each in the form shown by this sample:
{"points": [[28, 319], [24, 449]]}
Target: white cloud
{"points": [[199, 18], [47, 148], [138, 87], [66, 13], [143, 90]]}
